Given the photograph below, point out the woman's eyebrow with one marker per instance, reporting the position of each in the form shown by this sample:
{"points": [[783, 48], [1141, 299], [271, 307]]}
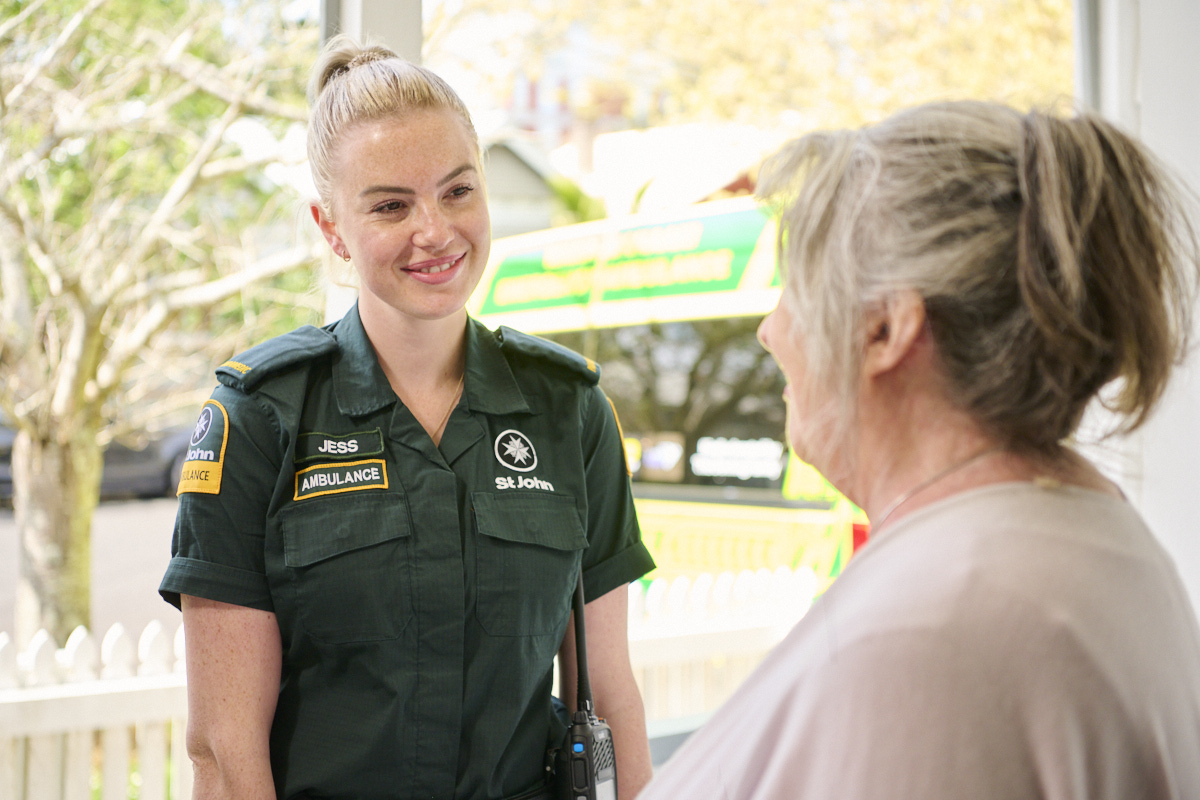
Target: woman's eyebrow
{"points": [[381, 189], [455, 173]]}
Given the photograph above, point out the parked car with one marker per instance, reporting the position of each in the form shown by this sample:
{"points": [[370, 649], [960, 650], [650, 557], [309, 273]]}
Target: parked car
{"points": [[152, 471]]}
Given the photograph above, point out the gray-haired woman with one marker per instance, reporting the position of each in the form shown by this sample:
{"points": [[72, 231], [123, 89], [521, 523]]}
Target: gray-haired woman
{"points": [[961, 281]]}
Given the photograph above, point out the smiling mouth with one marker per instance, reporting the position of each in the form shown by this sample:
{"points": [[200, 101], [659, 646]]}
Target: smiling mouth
{"points": [[434, 266]]}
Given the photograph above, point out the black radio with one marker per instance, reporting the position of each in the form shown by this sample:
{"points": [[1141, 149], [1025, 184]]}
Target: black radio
{"points": [[585, 765]]}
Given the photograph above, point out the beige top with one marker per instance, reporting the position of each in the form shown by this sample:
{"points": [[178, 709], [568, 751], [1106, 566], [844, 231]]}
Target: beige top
{"points": [[1007, 642]]}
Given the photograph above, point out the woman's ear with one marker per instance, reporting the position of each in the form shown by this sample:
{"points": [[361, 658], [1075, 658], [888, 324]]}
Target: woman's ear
{"points": [[892, 329], [328, 229]]}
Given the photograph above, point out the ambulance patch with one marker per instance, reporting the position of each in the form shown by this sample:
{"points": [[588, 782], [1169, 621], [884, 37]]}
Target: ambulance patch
{"points": [[206, 451], [352, 476], [313, 446]]}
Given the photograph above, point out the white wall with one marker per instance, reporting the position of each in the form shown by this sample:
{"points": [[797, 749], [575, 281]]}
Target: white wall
{"points": [[1149, 82]]}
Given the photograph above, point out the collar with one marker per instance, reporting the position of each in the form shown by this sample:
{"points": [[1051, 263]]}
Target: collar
{"points": [[490, 385], [362, 388], [358, 380]]}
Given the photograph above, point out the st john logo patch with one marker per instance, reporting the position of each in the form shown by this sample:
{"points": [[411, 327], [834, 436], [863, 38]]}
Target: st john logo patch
{"points": [[206, 451], [515, 451]]}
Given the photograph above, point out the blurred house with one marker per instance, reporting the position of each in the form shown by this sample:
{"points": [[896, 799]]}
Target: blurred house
{"points": [[520, 196]]}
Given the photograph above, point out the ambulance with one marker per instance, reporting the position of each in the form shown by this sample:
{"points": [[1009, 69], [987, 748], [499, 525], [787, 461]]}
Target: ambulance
{"points": [[650, 296]]}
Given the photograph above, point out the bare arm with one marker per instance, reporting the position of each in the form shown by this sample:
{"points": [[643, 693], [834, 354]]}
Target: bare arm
{"points": [[613, 688], [233, 668]]}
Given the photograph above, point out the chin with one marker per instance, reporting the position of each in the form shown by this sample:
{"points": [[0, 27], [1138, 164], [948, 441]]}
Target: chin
{"points": [[817, 449]]}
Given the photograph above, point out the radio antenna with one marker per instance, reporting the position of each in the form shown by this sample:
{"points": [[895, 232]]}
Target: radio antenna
{"points": [[583, 695]]}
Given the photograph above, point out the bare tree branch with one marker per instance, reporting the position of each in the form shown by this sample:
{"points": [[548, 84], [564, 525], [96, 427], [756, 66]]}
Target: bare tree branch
{"points": [[199, 295], [124, 272], [35, 246], [239, 165], [16, 305], [49, 55], [216, 291], [207, 77], [71, 373], [8, 25]]}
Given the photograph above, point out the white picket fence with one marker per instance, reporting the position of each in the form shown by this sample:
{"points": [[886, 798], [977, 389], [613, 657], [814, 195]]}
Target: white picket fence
{"points": [[693, 641], [107, 720], [104, 716]]}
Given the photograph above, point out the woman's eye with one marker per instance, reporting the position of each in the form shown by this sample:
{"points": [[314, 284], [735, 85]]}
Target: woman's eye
{"points": [[461, 191], [390, 206]]}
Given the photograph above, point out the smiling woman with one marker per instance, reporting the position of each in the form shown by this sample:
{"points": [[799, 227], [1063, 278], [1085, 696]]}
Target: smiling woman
{"points": [[377, 565], [409, 210]]}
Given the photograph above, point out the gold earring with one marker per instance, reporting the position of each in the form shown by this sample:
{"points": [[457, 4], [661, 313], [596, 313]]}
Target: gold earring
{"points": [[346, 257]]}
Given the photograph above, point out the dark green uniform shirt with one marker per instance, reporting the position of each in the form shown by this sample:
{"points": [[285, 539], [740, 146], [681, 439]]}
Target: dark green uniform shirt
{"points": [[421, 592]]}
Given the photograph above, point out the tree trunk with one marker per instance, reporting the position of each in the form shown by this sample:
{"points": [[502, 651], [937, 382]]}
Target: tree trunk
{"points": [[56, 488]]}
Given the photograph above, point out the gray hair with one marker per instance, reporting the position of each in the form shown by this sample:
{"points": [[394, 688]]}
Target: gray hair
{"points": [[1054, 256]]}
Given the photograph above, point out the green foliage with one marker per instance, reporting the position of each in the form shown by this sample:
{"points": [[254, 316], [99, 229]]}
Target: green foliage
{"points": [[118, 192], [573, 204], [833, 63]]}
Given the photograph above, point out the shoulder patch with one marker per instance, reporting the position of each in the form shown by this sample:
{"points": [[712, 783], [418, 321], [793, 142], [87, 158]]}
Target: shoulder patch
{"points": [[536, 347], [248, 369], [206, 451]]}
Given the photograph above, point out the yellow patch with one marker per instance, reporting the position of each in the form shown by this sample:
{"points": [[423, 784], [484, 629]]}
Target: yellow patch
{"points": [[621, 433], [242, 368], [352, 476], [206, 451]]}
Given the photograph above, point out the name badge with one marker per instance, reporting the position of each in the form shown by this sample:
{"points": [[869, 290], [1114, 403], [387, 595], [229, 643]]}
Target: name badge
{"points": [[354, 476], [324, 446]]}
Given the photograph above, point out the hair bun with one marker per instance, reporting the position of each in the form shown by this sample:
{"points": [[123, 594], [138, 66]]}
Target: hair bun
{"points": [[368, 55], [340, 55]]}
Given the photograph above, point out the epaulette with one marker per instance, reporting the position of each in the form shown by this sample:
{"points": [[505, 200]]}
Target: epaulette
{"points": [[515, 341], [248, 369]]}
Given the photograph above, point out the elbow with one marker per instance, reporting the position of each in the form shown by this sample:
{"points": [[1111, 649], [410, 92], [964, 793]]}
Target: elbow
{"points": [[229, 770], [205, 766]]}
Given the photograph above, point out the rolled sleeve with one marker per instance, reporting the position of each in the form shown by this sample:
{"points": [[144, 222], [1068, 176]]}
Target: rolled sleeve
{"points": [[217, 551], [623, 568], [615, 554], [215, 582]]}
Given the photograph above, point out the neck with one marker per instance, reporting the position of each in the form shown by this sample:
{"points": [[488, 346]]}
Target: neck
{"points": [[913, 464], [913, 448], [416, 355]]}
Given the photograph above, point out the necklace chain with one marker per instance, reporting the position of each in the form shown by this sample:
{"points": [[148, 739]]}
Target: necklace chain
{"points": [[925, 484], [453, 404]]}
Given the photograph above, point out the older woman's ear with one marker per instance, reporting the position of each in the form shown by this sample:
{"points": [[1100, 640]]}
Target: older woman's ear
{"points": [[893, 329]]}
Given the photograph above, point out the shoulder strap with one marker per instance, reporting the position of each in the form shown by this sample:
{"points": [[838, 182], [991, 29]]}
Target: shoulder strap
{"points": [[247, 370], [535, 347]]}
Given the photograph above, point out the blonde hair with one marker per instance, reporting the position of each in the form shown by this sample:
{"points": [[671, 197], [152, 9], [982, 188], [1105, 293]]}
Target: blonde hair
{"points": [[354, 83], [1054, 256]]}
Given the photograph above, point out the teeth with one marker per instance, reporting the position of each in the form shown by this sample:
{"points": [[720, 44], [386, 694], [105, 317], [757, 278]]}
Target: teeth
{"points": [[434, 270]]}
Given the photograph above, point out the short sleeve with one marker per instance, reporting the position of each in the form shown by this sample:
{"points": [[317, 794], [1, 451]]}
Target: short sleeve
{"points": [[615, 554], [217, 548]]}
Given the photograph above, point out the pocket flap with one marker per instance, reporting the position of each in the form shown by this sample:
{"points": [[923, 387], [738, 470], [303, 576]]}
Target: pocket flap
{"points": [[315, 530], [549, 520]]}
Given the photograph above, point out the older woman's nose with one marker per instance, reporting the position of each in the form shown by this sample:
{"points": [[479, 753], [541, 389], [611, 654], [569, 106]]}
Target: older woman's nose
{"points": [[762, 331]]}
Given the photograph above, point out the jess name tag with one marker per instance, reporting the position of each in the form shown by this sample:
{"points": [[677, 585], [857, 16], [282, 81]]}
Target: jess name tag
{"points": [[324, 446], [352, 476]]}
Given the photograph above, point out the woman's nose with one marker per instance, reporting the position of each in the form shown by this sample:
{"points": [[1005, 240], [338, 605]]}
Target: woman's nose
{"points": [[434, 231], [762, 332]]}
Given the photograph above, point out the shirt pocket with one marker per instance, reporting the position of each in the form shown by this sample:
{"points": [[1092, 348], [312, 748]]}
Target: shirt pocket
{"points": [[527, 561], [352, 567]]}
